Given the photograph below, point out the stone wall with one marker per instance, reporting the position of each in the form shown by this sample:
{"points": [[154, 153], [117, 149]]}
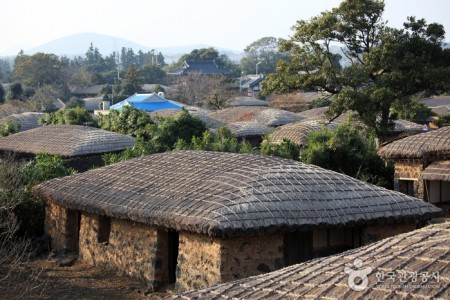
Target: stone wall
{"points": [[205, 261], [243, 257], [410, 169], [199, 261], [133, 249], [375, 232], [61, 225]]}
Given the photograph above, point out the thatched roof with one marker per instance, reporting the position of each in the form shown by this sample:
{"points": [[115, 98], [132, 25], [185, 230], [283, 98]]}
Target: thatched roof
{"points": [[441, 110], [319, 112], [66, 141], [225, 194], [262, 115], [93, 103], [438, 170], [404, 125], [430, 143], [246, 101], [425, 251], [209, 121], [243, 129], [27, 120], [298, 132], [436, 101]]}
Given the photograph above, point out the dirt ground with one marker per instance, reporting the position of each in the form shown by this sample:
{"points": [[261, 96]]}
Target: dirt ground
{"points": [[43, 278]]}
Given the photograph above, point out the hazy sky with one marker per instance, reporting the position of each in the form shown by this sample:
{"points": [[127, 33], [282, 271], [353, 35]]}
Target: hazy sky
{"points": [[230, 24]]}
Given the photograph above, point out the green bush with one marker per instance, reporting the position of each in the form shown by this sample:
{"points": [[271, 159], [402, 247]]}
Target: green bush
{"points": [[285, 149], [70, 116], [7, 128], [16, 181]]}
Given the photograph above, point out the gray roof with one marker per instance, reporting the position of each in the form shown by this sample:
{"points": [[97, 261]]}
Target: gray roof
{"points": [[438, 170], [87, 90], [436, 101], [431, 143], [66, 141], [27, 120], [226, 194], [207, 67], [405, 125], [425, 251]]}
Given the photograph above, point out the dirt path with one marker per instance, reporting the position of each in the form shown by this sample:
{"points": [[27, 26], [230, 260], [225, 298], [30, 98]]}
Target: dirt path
{"points": [[44, 279]]}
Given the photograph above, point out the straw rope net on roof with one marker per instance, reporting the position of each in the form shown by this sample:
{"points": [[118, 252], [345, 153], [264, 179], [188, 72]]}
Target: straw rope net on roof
{"points": [[245, 101], [243, 129], [298, 132], [438, 170], [27, 120], [66, 140], [431, 143], [219, 194], [263, 115], [422, 257]]}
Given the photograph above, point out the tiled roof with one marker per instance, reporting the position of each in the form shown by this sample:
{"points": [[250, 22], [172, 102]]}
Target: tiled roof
{"points": [[226, 194], [413, 265], [66, 140], [203, 67]]}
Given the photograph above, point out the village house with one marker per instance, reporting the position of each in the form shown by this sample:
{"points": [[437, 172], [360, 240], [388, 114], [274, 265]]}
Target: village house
{"points": [[26, 120], [266, 116], [412, 265], [80, 147], [422, 165], [198, 218]]}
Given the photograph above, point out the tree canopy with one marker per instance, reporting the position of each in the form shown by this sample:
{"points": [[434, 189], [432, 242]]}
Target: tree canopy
{"points": [[263, 52], [386, 65]]}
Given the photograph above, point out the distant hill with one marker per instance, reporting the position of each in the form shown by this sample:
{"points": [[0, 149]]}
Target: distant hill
{"points": [[78, 44]]}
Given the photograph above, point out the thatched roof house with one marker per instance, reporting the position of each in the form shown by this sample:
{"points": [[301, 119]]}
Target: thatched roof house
{"points": [[413, 265], [246, 101], [314, 113], [263, 115], [433, 144], [413, 156], [298, 132], [243, 215], [26, 120], [80, 146]]}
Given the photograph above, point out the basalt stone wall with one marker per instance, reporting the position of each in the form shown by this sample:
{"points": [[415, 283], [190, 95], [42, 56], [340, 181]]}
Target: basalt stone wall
{"points": [[204, 261], [409, 169], [132, 248], [199, 261], [61, 225], [248, 256], [375, 232]]}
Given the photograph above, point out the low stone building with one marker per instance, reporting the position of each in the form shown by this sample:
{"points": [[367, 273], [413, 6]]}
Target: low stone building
{"points": [[414, 265], [422, 165], [80, 147], [197, 218]]}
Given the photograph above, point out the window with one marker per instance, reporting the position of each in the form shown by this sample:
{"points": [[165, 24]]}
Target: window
{"points": [[104, 229], [437, 191], [406, 187], [297, 247]]}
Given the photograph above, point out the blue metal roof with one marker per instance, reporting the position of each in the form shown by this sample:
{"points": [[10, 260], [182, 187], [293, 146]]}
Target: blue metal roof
{"points": [[152, 106], [147, 102]]}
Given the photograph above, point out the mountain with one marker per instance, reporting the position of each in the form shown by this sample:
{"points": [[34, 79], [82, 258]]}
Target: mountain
{"points": [[78, 44]]}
